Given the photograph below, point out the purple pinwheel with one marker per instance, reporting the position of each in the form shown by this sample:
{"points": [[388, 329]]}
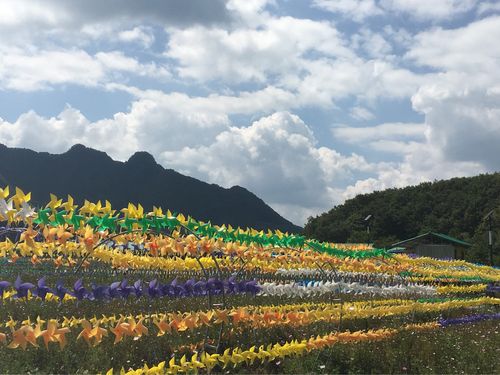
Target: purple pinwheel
{"points": [[22, 288], [200, 288], [252, 287], [114, 290], [125, 290], [154, 290], [232, 285], [189, 287], [493, 288], [79, 291], [41, 289], [99, 292], [211, 285], [467, 319], [174, 289], [60, 291], [138, 288], [3, 285]]}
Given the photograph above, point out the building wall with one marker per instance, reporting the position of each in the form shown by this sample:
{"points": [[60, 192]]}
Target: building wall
{"points": [[436, 251]]}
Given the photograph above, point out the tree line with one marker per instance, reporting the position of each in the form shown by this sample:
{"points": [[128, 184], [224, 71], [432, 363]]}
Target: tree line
{"points": [[456, 207]]}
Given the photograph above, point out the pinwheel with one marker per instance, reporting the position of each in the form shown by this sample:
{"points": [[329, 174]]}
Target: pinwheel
{"points": [[54, 334], [41, 289], [79, 291], [3, 285], [22, 337], [468, 319], [22, 288], [312, 288]]}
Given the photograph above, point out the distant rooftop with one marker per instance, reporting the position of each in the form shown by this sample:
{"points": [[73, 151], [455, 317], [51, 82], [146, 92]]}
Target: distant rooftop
{"points": [[441, 236]]}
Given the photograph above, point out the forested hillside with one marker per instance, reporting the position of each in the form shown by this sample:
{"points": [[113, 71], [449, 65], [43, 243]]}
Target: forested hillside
{"points": [[455, 207]]}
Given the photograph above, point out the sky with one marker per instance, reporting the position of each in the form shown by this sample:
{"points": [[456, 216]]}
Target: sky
{"points": [[304, 103]]}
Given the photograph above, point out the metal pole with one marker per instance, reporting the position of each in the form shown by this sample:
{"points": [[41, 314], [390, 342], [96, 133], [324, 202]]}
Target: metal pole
{"points": [[490, 240]]}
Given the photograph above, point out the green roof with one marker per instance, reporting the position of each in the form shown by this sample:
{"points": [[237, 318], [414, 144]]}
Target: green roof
{"points": [[439, 235]]}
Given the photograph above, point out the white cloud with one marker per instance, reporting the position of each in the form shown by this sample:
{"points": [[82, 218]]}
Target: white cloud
{"points": [[356, 10], [374, 45], [387, 131], [328, 80], [141, 35], [421, 10], [487, 7], [252, 54], [429, 9], [472, 49], [361, 113], [31, 69]]}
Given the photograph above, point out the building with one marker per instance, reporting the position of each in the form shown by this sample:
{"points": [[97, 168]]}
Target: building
{"points": [[432, 244]]}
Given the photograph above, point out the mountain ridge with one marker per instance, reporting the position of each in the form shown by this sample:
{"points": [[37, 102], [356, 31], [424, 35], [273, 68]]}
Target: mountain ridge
{"points": [[86, 173]]}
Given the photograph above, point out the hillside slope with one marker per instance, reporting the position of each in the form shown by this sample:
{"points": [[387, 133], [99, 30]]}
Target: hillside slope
{"points": [[89, 174], [455, 207]]}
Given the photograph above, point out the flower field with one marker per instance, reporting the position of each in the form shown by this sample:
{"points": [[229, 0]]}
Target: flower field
{"points": [[92, 289]]}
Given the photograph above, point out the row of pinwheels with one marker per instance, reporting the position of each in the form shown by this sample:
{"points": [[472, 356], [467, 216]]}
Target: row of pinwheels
{"points": [[121, 289], [236, 357], [95, 330], [133, 218]]}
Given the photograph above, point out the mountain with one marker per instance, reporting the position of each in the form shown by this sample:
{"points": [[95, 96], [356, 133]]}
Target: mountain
{"points": [[86, 173], [455, 207]]}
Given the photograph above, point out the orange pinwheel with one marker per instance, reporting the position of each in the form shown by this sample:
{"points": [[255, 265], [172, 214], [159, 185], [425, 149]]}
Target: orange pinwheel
{"points": [[54, 334], [22, 336]]}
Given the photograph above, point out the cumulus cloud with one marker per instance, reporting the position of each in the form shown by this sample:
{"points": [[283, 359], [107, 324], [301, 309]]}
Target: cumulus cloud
{"points": [[277, 157]]}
